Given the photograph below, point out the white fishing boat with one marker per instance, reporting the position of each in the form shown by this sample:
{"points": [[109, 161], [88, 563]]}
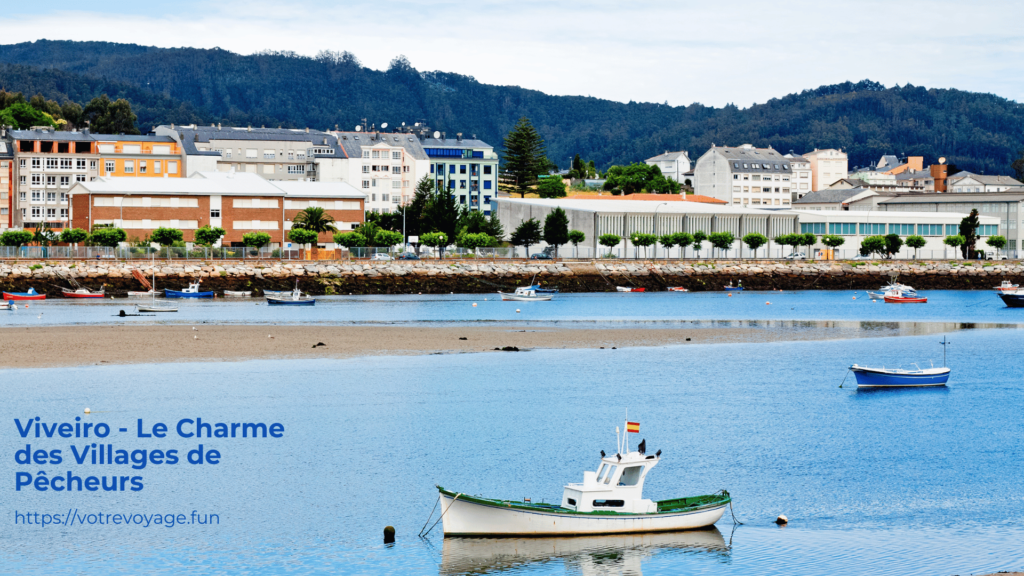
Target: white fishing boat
{"points": [[629, 289], [526, 294], [237, 294], [608, 501], [894, 289], [5, 305], [1007, 286]]}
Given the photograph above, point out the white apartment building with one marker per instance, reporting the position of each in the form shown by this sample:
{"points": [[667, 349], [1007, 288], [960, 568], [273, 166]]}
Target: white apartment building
{"points": [[827, 166], [745, 176], [384, 166], [801, 179], [965, 182], [673, 165]]}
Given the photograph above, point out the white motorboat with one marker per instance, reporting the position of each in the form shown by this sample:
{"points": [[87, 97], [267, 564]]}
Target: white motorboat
{"points": [[237, 294], [526, 294], [629, 289], [894, 289], [1007, 286], [149, 293], [608, 501]]}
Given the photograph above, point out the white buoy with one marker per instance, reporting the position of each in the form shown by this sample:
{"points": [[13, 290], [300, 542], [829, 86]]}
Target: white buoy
{"points": [[767, 303], [517, 310], [87, 411], [782, 520], [474, 304]]}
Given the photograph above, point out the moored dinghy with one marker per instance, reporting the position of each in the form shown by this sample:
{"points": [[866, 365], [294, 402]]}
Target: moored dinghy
{"points": [[608, 501], [900, 378], [237, 294], [526, 294]]}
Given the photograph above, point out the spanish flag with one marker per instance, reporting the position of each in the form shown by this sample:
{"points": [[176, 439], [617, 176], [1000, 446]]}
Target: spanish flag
{"points": [[633, 427]]}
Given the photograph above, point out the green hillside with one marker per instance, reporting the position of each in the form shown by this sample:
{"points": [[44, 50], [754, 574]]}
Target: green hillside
{"points": [[978, 132]]}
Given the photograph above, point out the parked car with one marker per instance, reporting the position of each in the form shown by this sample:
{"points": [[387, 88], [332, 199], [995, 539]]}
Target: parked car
{"points": [[380, 256], [407, 256], [990, 255], [540, 256], [862, 257], [797, 256]]}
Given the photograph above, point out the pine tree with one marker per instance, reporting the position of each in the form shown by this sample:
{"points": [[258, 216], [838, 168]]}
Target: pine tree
{"points": [[556, 229], [525, 156], [526, 234]]}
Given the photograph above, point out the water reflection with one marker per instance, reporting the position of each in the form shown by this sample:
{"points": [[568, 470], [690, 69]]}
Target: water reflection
{"points": [[589, 556]]}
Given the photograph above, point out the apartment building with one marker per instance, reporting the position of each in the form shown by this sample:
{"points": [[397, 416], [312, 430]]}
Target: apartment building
{"points": [[385, 166], [673, 165], [801, 180], [47, 163], [238, 202], [272, 153], [466, 167], [6, 179], [966, 182], [827, 166], [747, 176]]}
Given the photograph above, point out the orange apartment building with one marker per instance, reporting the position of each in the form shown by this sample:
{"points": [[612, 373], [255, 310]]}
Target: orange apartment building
{"points": [[237, 202], [48, 163]]}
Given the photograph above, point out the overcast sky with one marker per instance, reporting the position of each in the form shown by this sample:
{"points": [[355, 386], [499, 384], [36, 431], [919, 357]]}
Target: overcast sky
{"points": [[678, 51]]}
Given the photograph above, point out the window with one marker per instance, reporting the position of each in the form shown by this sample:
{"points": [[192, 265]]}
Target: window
{"points": [[37, 163], [384, 197], [255, 203], [396, 155], [51, 212], [462, 184], [366, 153], [609, 503], [366, 169], [301, 168], [487, 184], [929, 229], [405, 168], [366, 183], [376, 154], [735, 176], [172, 167], [37, 179], [396, 169], [269, 155], [462, 169], [842, 228], [610, 473], [250, 153], [80, 164], [735, 164], [129, 166], [901, 229], [572, 501], [745, 165], [451, 184], [63, 197], [631, 476], [268, 168], [37, 212], [373, 197], [215, 213], [451, 168], [37, 196], [142, 166], [812, 227], [64, 213], [22, 164], [156, 166], [951, 229], [396, 183], [92, 164], [108, 166], [51, 163], [487, 169], [51, 181], [988, 230], [65, 163], [51, 196], [23, 180], [870, 229]]}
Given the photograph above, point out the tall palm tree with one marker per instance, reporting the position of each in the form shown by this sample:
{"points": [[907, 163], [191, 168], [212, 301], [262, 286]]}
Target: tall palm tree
{"points": [[315, 220]]}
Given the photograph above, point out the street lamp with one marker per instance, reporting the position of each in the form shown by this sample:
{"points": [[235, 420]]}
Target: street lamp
{"points": [[656, 228]]}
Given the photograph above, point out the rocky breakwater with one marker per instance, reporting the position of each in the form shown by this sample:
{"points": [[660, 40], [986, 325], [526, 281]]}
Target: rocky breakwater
{"points": [[467, 276]]}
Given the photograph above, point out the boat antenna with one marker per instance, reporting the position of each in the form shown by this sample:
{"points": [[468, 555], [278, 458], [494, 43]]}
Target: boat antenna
{"points": [[944, 344], [618, 442]]}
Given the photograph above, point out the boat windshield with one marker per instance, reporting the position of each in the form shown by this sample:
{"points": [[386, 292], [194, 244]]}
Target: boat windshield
{"points": [[611, 473], [600, 469], [631, 476]]}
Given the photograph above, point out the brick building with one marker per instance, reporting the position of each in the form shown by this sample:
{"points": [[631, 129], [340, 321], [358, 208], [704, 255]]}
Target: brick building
{"points": [[237, 202]]}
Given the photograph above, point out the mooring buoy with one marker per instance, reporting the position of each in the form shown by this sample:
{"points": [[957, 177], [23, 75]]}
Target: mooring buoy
{"points": [[389, 534]]}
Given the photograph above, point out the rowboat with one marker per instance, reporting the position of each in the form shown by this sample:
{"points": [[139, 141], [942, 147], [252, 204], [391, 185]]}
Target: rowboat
{"points": [[897, 377], [731, 287], [525, 294], [82, 293], [608, 501], [237, 294], [677, 289], [149, 293], [1007, 286], [277, 293], [1013, 299], [614, 554], [191, 292], [629, 289], [295, 299], [8, 306], [30, 295]]}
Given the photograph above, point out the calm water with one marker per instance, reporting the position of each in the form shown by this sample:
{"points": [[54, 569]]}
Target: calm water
{"points": [[894, 482], [655, 308]]}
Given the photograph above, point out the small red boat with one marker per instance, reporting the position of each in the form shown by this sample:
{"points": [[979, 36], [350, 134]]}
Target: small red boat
{"points": [[906, 300], [30, 295], [677, 289], [627, 289], [81, 293]]}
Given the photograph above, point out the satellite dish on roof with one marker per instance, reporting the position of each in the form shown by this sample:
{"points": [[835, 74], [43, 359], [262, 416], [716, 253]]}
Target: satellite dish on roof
{"points": [[403, 123], [942, 160], [359, 128], [437, 134], [384, 125]]}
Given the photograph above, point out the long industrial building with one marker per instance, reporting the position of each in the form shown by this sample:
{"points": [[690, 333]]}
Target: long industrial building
{"points": [[624, 217]]}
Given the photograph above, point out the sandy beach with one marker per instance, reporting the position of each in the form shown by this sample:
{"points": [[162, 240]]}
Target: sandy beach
{"points": [[37, 347]]}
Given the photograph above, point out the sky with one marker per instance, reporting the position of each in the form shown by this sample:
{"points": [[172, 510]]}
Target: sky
{"points": [[741, 52]]}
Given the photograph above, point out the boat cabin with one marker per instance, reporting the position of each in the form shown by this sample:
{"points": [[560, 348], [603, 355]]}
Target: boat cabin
{"points": [[616, 486]]}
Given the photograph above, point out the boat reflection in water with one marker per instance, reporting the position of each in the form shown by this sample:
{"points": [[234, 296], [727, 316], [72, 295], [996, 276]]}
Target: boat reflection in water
{"points": [[588, 555]]}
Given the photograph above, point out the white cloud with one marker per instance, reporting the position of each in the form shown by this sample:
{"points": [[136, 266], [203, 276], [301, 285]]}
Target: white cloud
{"points": [[681, 52]]}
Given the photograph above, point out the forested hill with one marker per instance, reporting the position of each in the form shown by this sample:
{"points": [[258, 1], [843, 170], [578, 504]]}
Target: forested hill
{"points": [[978, 132]]}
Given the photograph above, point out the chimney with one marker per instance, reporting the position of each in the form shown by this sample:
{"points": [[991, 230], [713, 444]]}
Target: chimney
{"points": [[307, 129], [172, 125], [335, 127], [218, 125], [458, 137], [250, 127]]}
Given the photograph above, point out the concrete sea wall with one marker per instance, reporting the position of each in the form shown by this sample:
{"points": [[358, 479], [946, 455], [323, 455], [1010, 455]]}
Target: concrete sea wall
{"points": [[432, 276]]}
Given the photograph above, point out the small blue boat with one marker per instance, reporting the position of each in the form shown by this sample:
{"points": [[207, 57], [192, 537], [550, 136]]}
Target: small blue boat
{"points": [[900, 378], [191, 292], [731, 287], [536, 288]]}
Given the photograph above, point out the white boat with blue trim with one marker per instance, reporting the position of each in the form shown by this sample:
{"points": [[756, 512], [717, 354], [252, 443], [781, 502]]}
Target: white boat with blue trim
{"points": [[902, 378], [608, 501]]}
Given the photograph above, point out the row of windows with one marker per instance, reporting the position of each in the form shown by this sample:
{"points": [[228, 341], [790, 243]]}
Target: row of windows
{"points": [[762, 177], [473, 169], [761, 166], [880, 229], [37, 212], [37, 196], [394, 183], [51, 181], [449, 152], [737, 189], [375, 168], [462, 184], [395, 154], [128, 166]]}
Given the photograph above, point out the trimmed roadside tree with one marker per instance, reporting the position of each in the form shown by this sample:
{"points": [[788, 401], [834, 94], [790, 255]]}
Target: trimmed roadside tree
{"points": [[642, 240], [997, 242], [755, 240], [109, 237], [698, 241], [165, 236], [954, 241], [576, 236], [16, 238], [833, 241], [256, 240], [609, 241], [916, 242], [350, 240], [208, 236], [873, 245], [301, 236], [893, 243], [667, 241], [683, 239], [435, 240], [722, 240], [73, 236], [526, 234], [387, 238], [556, 229]]}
